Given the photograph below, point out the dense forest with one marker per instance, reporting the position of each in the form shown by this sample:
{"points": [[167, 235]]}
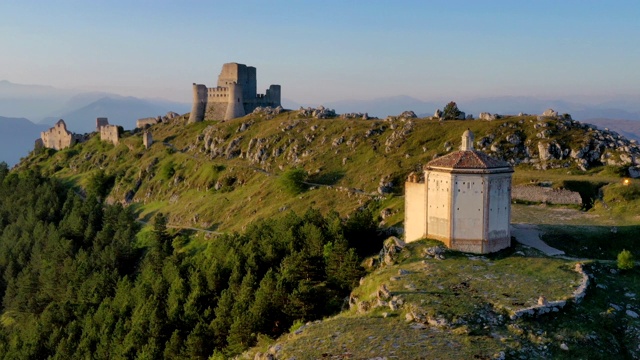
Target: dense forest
{"points": [[78, 281]]}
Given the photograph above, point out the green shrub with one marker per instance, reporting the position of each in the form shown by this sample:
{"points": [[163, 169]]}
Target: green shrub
{"points": [[625, 260], [293, 180], [296, 325], [167, 170]]}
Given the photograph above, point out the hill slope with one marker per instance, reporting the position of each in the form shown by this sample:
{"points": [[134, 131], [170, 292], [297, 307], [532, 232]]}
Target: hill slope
{"points": [[225, 175]]}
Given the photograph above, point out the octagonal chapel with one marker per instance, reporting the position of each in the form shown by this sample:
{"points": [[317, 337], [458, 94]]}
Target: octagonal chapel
{"points": [[464, 201]]}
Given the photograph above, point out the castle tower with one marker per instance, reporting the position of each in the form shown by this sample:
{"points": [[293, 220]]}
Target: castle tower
{"points": [[100, 122], [273, 95], [199, 103], [234, 96], [464, 201], [235, 106]]}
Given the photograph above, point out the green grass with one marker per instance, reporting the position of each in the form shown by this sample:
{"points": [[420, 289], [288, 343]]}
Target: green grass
{"points": [[593, 242], [475, 294], [186, 172]]}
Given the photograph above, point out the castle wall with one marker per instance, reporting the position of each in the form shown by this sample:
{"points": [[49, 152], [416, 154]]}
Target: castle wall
{"points": [[235, 106], [199, 103], [150, 121], [468, 212], [147, 139], [438, 205], [109, 133], [235, 81], [57, 137], [216, 111], [415, 210]]}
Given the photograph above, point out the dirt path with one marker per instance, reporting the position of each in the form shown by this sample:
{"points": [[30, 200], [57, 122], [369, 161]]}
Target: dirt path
{"points": [[529, 234]]}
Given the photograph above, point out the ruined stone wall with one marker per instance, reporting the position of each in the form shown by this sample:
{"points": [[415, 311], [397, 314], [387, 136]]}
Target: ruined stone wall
{"points": [[100, 122], [141, 123], [109, 133], [58, 137], [147, 139], [546, 195]]}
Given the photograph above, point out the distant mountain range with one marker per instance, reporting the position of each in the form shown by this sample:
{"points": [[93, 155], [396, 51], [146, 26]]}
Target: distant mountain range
{"points": [[123, 111], [624, 109], [46, 104], [17, 137]]}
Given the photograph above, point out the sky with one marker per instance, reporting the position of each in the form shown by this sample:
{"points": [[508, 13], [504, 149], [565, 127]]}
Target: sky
{"points": [[329, 50]]}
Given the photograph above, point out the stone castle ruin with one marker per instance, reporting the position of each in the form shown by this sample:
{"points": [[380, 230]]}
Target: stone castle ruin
{"points": [[234, 96], [108, 133], [58, 137], [147, 139]]}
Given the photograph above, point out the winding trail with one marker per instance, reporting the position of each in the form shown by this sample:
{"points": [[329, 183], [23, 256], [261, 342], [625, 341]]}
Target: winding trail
{"points": [[529, 234]]}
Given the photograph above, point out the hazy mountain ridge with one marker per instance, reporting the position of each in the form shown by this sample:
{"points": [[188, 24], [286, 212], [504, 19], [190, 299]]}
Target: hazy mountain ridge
{"points": [[17, 136], [47, 104], [504, 105], [120, 110]]}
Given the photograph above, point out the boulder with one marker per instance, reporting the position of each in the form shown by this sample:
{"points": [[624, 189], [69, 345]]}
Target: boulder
{"points": [[408, 115], [487, 116], [634, 171], [550, 113], [437, 114], [514, 139], [383, 292]]}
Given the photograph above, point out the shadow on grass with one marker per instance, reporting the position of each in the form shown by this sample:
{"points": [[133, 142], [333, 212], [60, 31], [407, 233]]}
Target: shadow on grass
{"points": [[328, 178], [593, 242]]}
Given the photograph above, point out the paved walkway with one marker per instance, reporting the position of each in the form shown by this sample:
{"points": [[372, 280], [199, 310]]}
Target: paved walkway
{"points": [[529, 234]]}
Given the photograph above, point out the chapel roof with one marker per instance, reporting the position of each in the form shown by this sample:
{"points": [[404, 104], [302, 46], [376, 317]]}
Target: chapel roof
{"points": [[467, 159]]}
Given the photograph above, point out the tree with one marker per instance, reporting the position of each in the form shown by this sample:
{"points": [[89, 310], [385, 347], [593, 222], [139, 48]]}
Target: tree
{"points": [[160, 234], [625, 260], [451, 111], [293, 180]]}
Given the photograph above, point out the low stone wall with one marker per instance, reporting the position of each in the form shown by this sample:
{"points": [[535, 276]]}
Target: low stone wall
{"points": [[545, 195], [555, 306]]}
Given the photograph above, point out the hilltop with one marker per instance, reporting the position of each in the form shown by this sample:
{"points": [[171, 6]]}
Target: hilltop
{"points": [[224, 175]]}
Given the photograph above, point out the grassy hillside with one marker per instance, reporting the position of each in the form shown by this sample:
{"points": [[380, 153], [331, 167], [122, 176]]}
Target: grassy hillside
{"points": [[467, 302], [225, 175]]}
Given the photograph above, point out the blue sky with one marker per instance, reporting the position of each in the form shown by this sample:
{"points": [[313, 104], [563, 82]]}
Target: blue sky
{"points": [[327, 50]]}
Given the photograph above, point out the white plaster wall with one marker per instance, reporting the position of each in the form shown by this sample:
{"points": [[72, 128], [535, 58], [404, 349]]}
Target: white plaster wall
{"points": [[438, 204], [415, 210], [499, 210], [468, 207]]}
